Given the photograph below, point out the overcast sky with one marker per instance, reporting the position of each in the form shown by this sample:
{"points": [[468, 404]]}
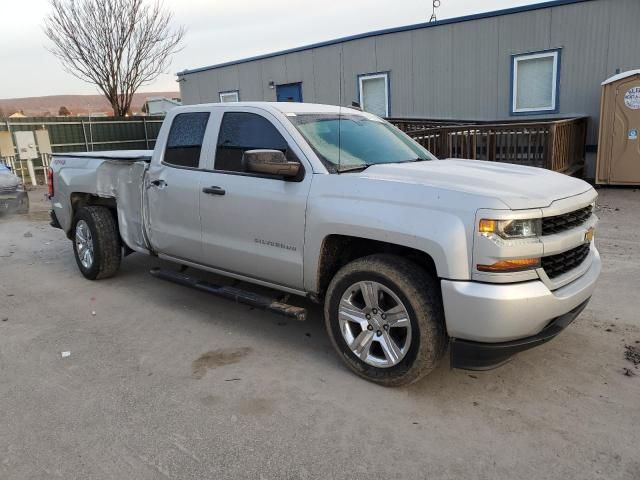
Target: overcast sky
{"points": [[217, 31]]}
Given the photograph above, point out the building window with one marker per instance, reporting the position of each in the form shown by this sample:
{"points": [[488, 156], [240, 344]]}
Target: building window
{"points": [[227, 97], [242, 131], [374, 93], [185, 139], [534, 83]]}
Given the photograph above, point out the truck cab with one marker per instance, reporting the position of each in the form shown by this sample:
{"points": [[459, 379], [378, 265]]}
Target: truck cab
{"points": [[206, 207]]}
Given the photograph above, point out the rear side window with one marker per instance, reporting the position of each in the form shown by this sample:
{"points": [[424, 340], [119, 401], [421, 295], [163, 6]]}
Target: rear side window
{"points": [[241, 131], [185, 139]]}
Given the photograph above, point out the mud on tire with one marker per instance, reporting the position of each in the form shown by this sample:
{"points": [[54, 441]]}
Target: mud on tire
{"points": [[105, 239], [419, 294]]}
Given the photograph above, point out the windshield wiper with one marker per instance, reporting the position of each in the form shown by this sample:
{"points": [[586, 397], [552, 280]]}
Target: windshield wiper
{"points": [[412, 160], [367, 165], [355, 169]]}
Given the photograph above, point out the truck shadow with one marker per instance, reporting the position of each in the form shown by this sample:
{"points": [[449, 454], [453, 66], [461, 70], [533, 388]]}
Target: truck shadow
{"points": [[309, 340], [303, 338]]}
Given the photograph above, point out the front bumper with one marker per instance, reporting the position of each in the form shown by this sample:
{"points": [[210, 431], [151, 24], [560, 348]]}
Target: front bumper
{"points": [[488, 313], [485, 356]]}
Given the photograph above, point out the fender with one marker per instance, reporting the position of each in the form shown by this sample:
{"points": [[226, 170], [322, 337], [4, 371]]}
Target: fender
{"points": [[434, 221]]}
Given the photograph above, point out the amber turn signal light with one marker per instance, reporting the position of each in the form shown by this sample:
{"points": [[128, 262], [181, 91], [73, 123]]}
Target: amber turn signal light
{"points": [[516, 265], [487, 226]]}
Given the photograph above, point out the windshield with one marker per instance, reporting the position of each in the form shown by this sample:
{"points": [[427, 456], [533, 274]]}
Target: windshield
{"points": [[350, 142]]}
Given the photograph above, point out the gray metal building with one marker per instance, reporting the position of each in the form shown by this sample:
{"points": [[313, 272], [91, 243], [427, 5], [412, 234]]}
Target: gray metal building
{"points": [[541, 60]]}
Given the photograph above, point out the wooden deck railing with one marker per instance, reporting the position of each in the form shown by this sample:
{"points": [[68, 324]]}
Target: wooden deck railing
{"points": [[558, 145]]}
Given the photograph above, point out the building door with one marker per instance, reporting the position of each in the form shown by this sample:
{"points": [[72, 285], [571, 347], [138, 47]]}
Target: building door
{"points": [[625, 150], [291, 92]]}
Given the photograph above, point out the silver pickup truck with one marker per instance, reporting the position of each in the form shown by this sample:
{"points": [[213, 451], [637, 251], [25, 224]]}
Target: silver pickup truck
{"points": [[409, 254]]}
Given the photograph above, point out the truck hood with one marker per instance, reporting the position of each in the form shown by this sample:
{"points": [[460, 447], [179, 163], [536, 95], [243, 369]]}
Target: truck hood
{"points": [[517, 186]]}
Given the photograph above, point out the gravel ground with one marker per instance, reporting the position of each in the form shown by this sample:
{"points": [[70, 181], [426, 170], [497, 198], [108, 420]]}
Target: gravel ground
{"points": [[165, 382]]}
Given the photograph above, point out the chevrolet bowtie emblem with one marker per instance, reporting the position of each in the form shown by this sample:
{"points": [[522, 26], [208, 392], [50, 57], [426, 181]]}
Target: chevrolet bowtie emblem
{"points": [[588, 236]]}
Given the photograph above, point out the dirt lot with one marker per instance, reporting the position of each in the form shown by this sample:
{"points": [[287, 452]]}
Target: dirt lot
{"points": [[166, 382]]}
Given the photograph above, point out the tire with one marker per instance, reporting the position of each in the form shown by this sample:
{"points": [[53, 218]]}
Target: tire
{"points": [[102, 239], [23, 204], [404, 284]]}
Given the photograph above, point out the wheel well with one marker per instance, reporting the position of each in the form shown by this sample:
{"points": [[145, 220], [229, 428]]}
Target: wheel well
{"points": [[338, 250], [79, 200]]}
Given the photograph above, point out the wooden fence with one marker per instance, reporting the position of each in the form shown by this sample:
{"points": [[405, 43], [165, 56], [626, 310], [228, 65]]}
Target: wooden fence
{"points": [[558, 145]]}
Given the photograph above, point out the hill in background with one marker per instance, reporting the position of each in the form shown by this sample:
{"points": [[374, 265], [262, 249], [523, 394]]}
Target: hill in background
{"points": [[77, 104]]}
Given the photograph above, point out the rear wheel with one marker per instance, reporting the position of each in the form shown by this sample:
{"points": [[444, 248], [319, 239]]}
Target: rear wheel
{"points": [[96, 242], [384, 316]]}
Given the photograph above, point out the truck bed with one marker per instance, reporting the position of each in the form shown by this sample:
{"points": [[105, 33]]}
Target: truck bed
{"points": [[124, 155]]}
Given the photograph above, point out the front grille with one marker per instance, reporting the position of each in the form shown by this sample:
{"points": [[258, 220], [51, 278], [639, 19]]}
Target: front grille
{"points": [[9, 189], [566, 221], [556, 265]]}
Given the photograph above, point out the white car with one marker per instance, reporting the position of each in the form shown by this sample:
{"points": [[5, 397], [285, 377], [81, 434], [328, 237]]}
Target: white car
{"points": [[409, 254]]}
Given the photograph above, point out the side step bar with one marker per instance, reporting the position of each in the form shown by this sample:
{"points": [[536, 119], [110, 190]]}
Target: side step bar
{"points": [[232, 293]]}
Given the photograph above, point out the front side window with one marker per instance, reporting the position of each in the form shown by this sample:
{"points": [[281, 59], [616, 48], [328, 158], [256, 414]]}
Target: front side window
{"points": [[534, 87], [185, 139], [374, 93], [229, 97], [349, 142], [242, 131]]}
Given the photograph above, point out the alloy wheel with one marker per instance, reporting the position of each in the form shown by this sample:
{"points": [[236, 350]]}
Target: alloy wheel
{"points": [[84, 244], [374, 324]]}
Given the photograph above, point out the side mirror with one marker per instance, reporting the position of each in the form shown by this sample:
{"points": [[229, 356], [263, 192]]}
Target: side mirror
{"points": [[271, 162]]}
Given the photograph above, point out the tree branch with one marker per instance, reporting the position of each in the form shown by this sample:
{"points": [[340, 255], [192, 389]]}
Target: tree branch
{"points": [[116, 45]]}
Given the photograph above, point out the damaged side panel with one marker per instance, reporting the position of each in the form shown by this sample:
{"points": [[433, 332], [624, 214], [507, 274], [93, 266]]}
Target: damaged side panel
{"points": [[130, 204], [92, 179]]}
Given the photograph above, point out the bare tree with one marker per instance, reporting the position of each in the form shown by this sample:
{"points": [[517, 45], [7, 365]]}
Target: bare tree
{"points": [[63, 111], [117, 45]]}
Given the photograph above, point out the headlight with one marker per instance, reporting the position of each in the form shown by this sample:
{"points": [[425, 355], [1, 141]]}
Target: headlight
{"points": [[525, 228]]}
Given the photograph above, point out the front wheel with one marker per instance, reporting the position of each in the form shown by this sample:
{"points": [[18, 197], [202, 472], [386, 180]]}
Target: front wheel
{"points": [[96, 242], [385, 318]]}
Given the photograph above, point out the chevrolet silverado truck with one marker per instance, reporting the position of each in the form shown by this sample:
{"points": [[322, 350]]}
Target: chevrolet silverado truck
{"points": [[410, 255]]}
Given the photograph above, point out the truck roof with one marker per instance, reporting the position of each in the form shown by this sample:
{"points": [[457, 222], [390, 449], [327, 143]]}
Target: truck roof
{"points": [[283, 107]]}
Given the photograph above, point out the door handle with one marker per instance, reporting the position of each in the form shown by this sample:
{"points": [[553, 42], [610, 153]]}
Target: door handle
{"points": [[213, 190], [158, 183]]}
